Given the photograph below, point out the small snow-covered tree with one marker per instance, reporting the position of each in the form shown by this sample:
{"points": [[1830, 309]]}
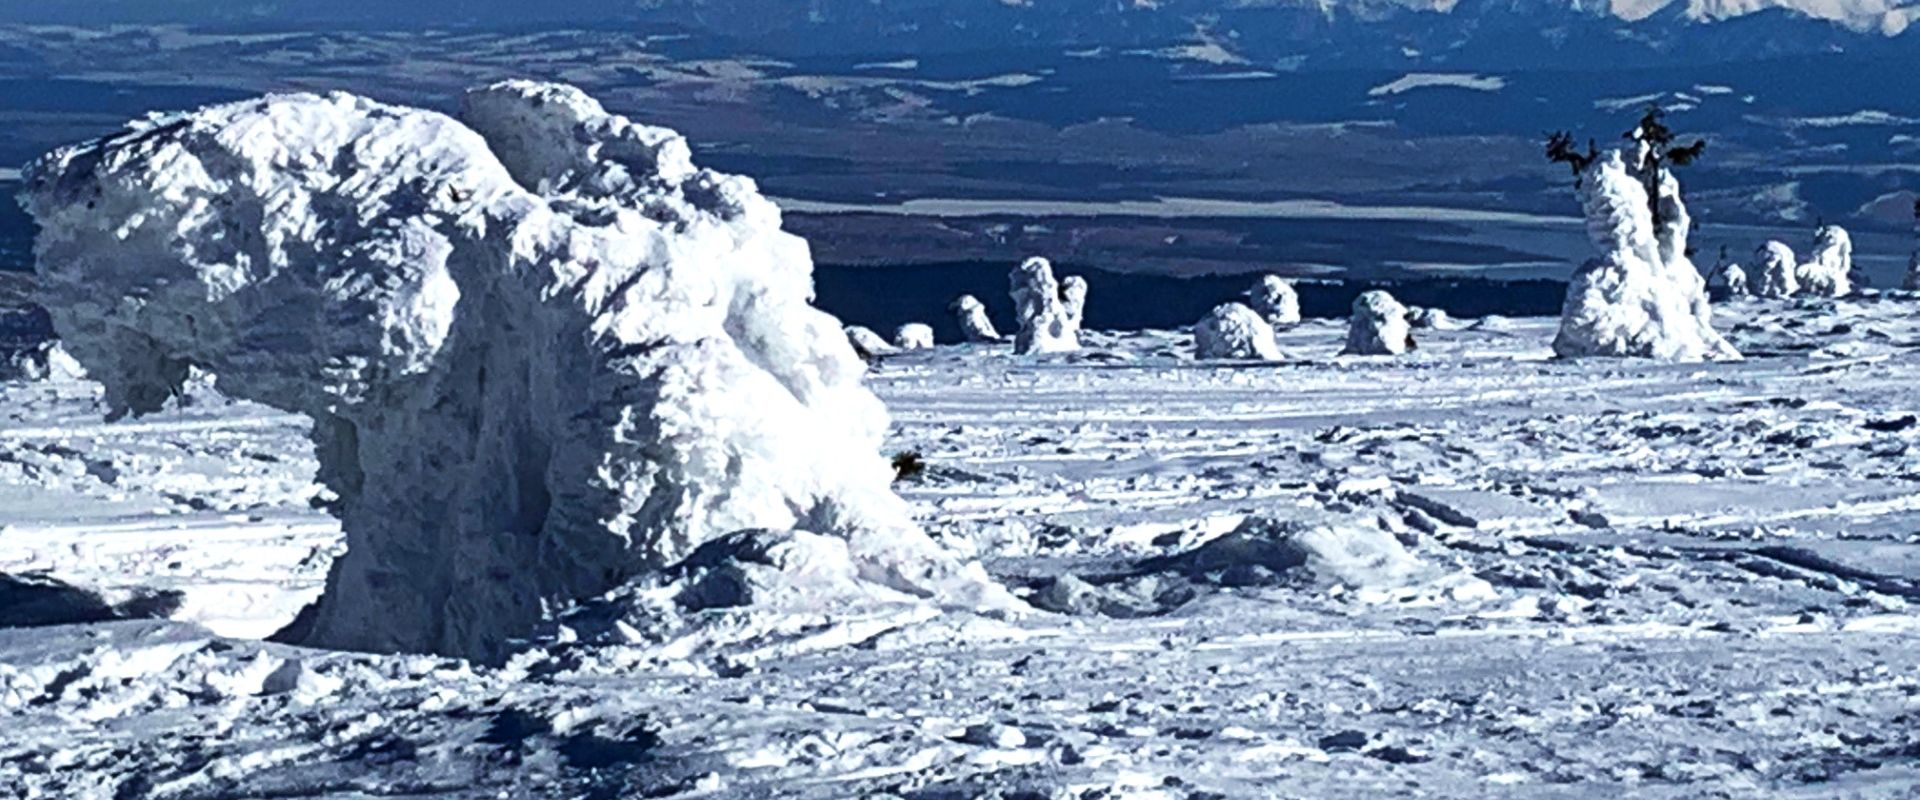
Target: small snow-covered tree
{"points": [[1233, 330], [1913, 264]]}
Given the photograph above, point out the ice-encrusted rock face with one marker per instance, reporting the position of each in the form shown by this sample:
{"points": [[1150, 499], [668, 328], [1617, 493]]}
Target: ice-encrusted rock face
{"points": [[1274, 299], [1047, 323], [543, 353], [972, 316], [1233, 330], [1642, 296], [913, 336], [1779, 274], [1378, 326], [1828, 270]]}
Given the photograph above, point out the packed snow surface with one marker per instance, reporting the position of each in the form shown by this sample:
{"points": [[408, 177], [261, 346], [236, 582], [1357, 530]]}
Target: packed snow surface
{"points": [[1473, 571], [543, 352], [1642, 296]]}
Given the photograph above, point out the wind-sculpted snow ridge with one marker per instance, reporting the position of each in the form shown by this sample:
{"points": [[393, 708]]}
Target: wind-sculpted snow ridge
{"points": [[544, 354], [1233, 330], [1049, 323], [1827, 272], [1378, 326], [975, 325], [1275, 299], [1642, 296], [1778, 271]]}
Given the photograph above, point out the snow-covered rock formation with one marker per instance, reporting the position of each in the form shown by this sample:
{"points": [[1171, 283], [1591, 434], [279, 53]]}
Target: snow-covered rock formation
{"points": [[1828, 270], [1779, 274], [974, 323], [1048, 323], [1275, 300], [867, 344], [913, 336], [544, 354], [1233, 330], [1642, 296], [1378, 326]]}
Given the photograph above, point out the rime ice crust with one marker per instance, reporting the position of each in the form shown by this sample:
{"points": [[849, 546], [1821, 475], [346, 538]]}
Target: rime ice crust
{"points": [[1827, 272], [1049, 319], [1779, 273], [1642, 296], [543, 353], [1233, 330], [1378, 326], [972, 316], [1275, 299]]}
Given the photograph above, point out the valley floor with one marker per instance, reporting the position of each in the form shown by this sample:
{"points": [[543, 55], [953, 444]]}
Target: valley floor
{"points": [[1633, 579]]}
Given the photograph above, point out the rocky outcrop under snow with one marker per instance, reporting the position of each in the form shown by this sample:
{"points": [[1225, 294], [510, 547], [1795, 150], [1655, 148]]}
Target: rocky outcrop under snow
{"points": [[1048, 322], [975, 325], [1233, 330], [1642, 296], [1779, 274], [1828, 270], [1378, 326], [1275, 300], [545, 355]]}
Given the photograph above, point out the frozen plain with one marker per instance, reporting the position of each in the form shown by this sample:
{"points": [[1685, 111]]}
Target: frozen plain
{"points": [[1635, 579]]}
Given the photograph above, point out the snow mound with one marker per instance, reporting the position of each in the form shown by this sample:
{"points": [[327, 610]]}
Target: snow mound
{"points": [[1265, 550], [867, 344], [1779, 275], [1048, 322], [747, 596], [1642, 296], [1378, 326], [1275, 299], [913, 336], [974, 323], [543, 353], [1827, 272], [1233, 330]]}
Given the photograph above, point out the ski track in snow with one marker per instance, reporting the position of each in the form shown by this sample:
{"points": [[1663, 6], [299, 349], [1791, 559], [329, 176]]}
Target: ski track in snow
{"points": [[1701, 580]]}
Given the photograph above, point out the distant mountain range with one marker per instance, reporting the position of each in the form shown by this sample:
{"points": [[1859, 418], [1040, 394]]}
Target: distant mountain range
{"points": [[1292, 34]]}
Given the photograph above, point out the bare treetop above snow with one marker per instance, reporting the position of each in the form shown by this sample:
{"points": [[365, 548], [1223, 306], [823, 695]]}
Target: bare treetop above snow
{"points": [[543, 353]]}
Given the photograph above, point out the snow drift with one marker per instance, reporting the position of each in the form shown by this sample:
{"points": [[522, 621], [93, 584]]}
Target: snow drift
{"points": [[543, 352], [1642, 296], [1827, 272], [1233, 330], [972, 316], [1378, 326], [1275, 299], [1049, 322], [1779, 275]]}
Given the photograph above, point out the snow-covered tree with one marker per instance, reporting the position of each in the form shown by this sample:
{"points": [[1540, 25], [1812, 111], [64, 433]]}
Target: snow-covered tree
{"points": [[1378, 326], [1727, 280], [1274, 299], [1642, 296], [1912, 281], [1779, 270], [972, 316], [1232, 330], [913, 336], [1828, 270], [1048, 324]]}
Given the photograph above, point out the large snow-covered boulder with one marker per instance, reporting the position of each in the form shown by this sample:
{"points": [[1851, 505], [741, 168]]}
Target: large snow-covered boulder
{"points": [[1233, 330], [1779, 274], [544, 354], [1642, 296], [1828, 270], [1274, 299], [1378, 326], [1048, 324], [913, 336], [972, 316]]}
